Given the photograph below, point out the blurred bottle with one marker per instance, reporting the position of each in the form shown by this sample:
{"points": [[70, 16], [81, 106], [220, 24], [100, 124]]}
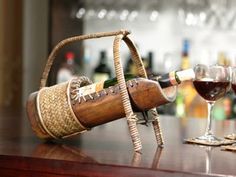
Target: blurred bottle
{"points": [[130, 67], [227, 105], [180, 99], [102, 71], [87, 61], [223, 108], [68, 68], [223, 59], [188, 103], [185, 63], [149, 67]]}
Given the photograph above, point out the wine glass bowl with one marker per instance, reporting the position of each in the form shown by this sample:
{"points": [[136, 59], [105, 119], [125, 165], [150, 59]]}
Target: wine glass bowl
{"points": [[211, 83], [233, 79]]}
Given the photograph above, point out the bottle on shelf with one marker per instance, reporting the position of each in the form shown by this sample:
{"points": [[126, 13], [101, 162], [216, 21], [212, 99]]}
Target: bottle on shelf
{"points": [[147, 62], [149, 67], [68, 68], [222, 108], [87, 60], [102, 71], [223, 59], [185, 62], [130, 67], [180, 98], [188, 103]]}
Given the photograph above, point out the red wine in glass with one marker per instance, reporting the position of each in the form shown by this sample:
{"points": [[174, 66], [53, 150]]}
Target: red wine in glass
{"points": [[211, 83], [211, 90]]}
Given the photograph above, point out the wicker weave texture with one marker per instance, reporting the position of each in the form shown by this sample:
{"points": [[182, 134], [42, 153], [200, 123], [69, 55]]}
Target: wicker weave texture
{"points": [[55, 112]]}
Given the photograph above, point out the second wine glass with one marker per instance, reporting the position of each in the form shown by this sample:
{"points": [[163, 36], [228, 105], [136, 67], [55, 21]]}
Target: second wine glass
{"points": [[232, 136]]}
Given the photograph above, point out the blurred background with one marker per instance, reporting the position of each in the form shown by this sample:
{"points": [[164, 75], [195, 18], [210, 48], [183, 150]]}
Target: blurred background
{"points": [[170, 35]]}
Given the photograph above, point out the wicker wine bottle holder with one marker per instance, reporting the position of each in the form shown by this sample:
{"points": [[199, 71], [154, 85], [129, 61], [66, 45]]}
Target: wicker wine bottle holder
{"points": [[50, 111]]}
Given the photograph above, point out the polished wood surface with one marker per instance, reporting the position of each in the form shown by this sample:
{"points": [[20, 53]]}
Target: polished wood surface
{"points": [[107, 150]]}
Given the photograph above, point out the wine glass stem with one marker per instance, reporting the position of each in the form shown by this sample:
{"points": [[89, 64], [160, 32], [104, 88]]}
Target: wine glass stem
{"points": [[209, 118]]}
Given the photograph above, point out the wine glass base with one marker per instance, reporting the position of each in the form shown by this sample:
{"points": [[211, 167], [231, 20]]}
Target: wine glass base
{"points": [[209, 140], [231, 136], [229, 147]]}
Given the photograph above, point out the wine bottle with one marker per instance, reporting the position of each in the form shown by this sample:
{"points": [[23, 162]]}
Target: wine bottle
{"points": [[185, 63], [102, 70], [186, 91], [68, 68], [165, 80], [149, 68], [83, 109]]}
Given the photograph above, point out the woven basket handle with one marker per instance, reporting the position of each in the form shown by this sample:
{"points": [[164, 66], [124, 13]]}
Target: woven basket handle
{"points": [[64, 42], [131, 117]]}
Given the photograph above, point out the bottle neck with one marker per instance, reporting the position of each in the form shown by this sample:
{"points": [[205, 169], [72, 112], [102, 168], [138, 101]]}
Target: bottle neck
{"points": [[165, 80], [174, 77], [103, 58], [70, 58]]}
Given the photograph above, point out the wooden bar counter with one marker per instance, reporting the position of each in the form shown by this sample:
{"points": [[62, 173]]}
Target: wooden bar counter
{"points": [[107, 150]]}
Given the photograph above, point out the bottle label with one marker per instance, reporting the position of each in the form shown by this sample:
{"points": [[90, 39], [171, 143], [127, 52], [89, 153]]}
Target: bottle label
{"points": [[89, 89]]}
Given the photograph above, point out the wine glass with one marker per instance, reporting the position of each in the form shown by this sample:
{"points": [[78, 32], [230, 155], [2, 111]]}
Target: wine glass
{"points": [[211, 83], [233, 80], [232, 136]]}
